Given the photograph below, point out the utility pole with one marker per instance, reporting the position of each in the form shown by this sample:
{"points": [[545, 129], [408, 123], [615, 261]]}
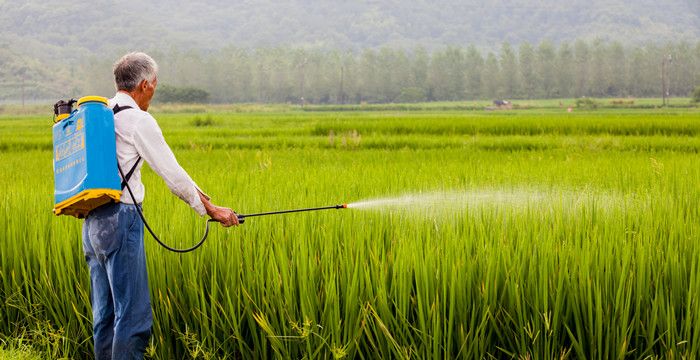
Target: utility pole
{"points": [[22, 72], [341, 94], [663, 81], [302, 75], [23, 93], [262, 75]]}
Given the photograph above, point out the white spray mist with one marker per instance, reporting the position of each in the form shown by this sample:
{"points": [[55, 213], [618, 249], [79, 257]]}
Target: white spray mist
{"points": [[510, 199]]}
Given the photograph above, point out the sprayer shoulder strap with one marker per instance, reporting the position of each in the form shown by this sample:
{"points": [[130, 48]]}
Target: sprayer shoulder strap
{"points": [[116, 110], [131, 172]]}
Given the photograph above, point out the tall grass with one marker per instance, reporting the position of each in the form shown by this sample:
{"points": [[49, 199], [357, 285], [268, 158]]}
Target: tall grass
{"points": [[603, 279]]}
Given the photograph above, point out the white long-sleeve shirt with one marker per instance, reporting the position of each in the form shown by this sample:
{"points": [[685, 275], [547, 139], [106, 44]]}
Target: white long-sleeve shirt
{"points": [[138, 134]]}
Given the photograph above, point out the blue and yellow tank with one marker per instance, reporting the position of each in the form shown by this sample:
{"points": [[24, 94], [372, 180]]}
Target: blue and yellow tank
{"points": [[85, 159]]}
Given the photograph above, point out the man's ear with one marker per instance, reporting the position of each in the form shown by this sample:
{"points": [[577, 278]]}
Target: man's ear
{"points": [[143, 85]]}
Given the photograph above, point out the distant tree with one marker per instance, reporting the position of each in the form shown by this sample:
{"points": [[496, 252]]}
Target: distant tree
{"points": [[491, 77], [616, 63], [565, 71], [189, 67], [528, 77], [446, 74], [350, 70], [393, 73], [647, 78], [682, 78], [419, 68], [280, 74], [169, 94], [230, 75], [636, 72], [321, 77], [368, 89], [600, 69], [473, 66], [545, 69], [283, 75], [581, 69], [696, 61], [96, 77], [260, 73], [509, 84], [331, 71], [696, 95], [412, 95]]}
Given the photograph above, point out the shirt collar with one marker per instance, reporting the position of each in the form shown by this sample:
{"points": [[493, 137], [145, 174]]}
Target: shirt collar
{"points": [[123, 99]]}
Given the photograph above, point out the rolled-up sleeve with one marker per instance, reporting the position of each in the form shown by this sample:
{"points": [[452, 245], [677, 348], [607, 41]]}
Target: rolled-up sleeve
{"points": [[151, 146]]}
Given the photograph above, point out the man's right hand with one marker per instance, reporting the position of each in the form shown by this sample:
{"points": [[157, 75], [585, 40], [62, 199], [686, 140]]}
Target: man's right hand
{"points": [[223, 215]]}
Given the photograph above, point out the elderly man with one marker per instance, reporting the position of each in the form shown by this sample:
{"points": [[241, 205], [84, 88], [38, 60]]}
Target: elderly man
{"points": [[113, 233]]}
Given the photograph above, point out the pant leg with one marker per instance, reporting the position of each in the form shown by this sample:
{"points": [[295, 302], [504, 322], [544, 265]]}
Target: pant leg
{"points": [[129, 285], [100, 297]]}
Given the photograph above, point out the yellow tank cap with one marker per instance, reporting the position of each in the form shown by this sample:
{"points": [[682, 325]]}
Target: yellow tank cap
{"points": [[60, 117], [85, 99]]}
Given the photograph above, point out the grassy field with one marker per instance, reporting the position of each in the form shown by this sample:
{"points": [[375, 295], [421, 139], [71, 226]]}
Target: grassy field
{"points": [[516, 234]]}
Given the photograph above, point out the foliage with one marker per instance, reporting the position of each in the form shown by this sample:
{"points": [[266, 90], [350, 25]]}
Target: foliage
{"points": [[284, 75], [174, 94], [554, 48], [32, 336], [586, 103], [411, 95], [696, 95], [28, 79], [199, 121], [599, 261], [19, 353], [321, 76]]}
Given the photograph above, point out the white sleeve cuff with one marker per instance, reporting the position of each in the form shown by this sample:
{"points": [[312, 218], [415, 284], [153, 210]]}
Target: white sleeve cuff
{"points": [[199, 208]]}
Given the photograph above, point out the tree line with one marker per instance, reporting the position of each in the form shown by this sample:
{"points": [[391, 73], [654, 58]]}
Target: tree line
{"points": [[528, 71]]}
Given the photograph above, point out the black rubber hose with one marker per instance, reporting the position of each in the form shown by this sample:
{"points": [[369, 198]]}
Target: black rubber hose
{"points": [[133, 198]]}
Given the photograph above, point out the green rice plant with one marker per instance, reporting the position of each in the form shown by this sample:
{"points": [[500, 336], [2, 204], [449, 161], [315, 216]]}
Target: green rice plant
{"points": [[198, 121], [532, 234]]}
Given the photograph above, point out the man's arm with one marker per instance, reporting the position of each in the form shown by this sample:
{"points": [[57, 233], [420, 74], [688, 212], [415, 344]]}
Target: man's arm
{"points": [[151, 145]]}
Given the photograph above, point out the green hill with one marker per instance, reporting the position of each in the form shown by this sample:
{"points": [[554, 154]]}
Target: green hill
{"points": [[79, 28], [58, 47]]}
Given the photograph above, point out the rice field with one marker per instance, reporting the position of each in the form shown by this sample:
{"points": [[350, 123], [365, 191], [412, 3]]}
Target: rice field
{"points": [[529, 234]]}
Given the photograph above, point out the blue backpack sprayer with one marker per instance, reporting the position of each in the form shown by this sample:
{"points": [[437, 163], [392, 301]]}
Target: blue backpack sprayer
{"points": [[86, 171]]}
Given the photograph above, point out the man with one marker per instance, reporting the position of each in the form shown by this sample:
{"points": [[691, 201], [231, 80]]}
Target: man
{"points": [[113, 234]]}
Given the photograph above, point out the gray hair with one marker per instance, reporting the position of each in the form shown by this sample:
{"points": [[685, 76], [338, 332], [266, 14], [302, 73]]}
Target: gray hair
{"points": [[133, 68]]}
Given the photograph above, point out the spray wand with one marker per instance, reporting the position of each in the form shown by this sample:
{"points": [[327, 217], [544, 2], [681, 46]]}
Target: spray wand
{"points": [[242, 217]]}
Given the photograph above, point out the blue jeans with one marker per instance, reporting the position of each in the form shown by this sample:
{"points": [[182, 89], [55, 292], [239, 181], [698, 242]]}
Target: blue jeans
{"points": [[121, 305]]}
